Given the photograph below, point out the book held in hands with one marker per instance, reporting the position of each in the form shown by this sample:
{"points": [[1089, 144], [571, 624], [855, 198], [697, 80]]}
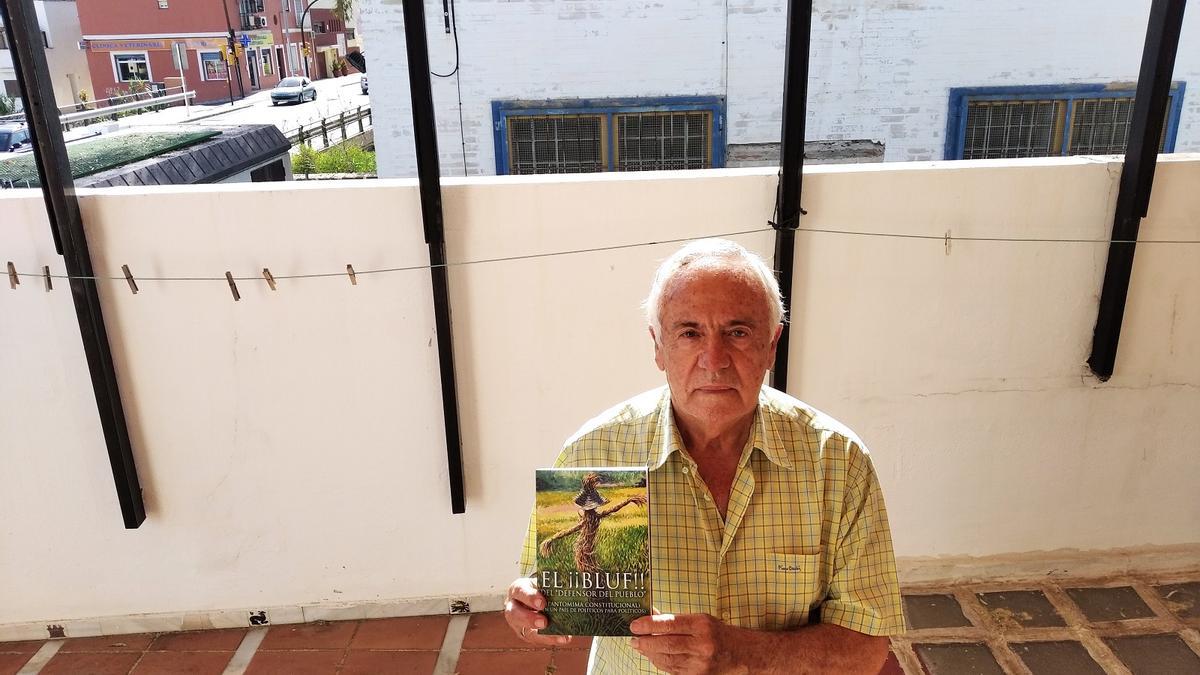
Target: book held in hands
{"points": [[593, 549]]}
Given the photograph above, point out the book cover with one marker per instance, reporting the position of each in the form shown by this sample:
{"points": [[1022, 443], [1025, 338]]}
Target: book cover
{"points": [[593, 540]]}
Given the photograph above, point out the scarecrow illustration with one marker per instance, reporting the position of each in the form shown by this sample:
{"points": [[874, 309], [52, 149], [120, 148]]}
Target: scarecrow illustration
{"points": [[589, 502]]}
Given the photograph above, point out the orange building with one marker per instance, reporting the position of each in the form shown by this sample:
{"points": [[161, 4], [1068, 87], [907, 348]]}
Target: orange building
{"points": [[130, 44]]}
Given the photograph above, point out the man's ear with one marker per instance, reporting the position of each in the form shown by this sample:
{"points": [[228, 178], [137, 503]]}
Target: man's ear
{"points": [[658, 355], [775, 342]]}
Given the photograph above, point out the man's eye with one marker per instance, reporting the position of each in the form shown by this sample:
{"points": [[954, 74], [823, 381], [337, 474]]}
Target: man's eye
{"points": [[739, 332], [690, 334]]}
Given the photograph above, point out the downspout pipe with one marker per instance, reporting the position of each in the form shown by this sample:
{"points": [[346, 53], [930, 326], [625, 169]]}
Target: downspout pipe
{"points": [[70, 241], [429, 178], [787, 199], [1137, 177]]}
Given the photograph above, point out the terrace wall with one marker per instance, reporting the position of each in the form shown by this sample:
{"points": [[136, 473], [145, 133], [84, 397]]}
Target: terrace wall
{"points": [[291, 447]]}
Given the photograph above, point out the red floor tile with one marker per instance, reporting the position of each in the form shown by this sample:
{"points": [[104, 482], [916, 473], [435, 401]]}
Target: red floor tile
{"points": [[492, 663], [891, 666], [570, 662], [577, 642], [92, 663], [137, 642], [26, 647], [321, 635], [362, 662], [489, 631], [11, 663], [225, 640], [413, 632], [183, 663], [306, 662]]}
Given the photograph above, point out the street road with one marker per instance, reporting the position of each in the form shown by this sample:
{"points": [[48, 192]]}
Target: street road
{"points": [[334, 95]]}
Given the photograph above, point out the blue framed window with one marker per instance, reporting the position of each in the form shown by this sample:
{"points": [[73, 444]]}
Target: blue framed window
{"points": [[585, 135], [1048, 120]]}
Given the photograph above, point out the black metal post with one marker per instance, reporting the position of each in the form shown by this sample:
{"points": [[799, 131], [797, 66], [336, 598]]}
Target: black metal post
{"points": [[233, 52], [428, 174], [1137, 177], [795, 102], [303, 40], [70, 240]]}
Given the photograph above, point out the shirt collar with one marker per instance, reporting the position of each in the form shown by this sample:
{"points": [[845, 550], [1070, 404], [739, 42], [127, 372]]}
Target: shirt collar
{"points": [[763, 435]]}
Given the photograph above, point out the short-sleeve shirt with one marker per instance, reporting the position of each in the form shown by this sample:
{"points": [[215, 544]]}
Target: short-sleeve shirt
{"points": [[805, 536]]}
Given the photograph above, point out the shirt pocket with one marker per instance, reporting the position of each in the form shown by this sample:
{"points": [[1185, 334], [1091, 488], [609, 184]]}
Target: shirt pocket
{"points": [[791, 583]]}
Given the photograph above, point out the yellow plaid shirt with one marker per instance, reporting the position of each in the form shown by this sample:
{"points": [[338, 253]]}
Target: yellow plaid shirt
{"points": [[805, 529]]}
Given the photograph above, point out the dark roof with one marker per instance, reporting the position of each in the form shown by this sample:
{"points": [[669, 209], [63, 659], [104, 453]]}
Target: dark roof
{"points": [[102, 153], [234, 150]]}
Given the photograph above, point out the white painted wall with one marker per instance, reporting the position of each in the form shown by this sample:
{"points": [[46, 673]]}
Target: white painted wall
{"points": [[67, 62], [880, 70], [291, 447], [60, 20]]}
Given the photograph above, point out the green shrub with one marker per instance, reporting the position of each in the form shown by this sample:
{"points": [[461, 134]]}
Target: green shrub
{"points": [[361, 160], [333, 160], [305, 161]]}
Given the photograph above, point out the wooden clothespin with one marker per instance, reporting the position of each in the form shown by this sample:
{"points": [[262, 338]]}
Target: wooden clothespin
{"points": [[129, 278], [233, 287], [353, 278], [270, 279], [13, 279], [46, 275]]}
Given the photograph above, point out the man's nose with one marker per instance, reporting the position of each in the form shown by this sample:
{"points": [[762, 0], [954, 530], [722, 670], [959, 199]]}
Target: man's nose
{"points": [[715, 355]]}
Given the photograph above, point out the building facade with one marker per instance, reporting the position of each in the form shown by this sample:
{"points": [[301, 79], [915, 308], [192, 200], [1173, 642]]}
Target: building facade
{"points": [[129, 42], [61, 35], [625, 85], [329, 38]]}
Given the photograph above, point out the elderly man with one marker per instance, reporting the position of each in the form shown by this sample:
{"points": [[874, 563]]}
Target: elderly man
{"points": [[770, 544]]}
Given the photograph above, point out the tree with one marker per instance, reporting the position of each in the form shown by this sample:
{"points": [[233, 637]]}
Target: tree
{"points": [[343, 9]]}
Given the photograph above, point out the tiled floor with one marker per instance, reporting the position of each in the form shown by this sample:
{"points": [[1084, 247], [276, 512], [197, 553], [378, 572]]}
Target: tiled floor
{"points": [[1118, 626], [1130, 626], [408, 646]]}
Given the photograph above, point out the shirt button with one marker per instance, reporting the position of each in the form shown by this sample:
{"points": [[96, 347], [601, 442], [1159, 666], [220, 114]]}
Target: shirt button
{"points": [[707, 497], [685, 470]]}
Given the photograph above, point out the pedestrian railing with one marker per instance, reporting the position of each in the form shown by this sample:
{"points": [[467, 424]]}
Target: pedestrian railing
{"points": [[341, 124], [113, 111]]}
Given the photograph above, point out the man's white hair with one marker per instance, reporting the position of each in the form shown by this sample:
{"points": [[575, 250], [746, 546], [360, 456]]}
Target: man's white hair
{"points": [[721, 250]]}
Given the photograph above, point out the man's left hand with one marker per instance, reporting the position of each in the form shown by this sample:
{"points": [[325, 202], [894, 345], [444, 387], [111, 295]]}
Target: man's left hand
{"points": [[686, 644]]}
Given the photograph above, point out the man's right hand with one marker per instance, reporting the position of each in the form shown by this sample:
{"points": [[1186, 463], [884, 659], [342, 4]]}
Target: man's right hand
{"points": [[523, 612]]}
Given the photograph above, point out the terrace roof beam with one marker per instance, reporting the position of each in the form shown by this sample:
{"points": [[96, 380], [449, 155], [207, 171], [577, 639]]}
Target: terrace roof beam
{"points": [[70, 240], [429, 178], [1137, 177], [795, 102]]}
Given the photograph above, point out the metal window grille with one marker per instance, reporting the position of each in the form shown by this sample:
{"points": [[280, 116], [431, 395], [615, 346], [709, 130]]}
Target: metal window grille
{"points": [[557, 144], [1005, 129], [1100, 126], [663, 140]]}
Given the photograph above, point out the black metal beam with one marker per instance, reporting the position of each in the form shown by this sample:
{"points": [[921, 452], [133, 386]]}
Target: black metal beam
{"points": [[795, 103], [428, 174], [1137, 177], [70, 240]]}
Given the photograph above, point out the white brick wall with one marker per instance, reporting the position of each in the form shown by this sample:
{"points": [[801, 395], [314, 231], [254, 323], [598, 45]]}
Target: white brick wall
{"points": [[880, 69]]}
